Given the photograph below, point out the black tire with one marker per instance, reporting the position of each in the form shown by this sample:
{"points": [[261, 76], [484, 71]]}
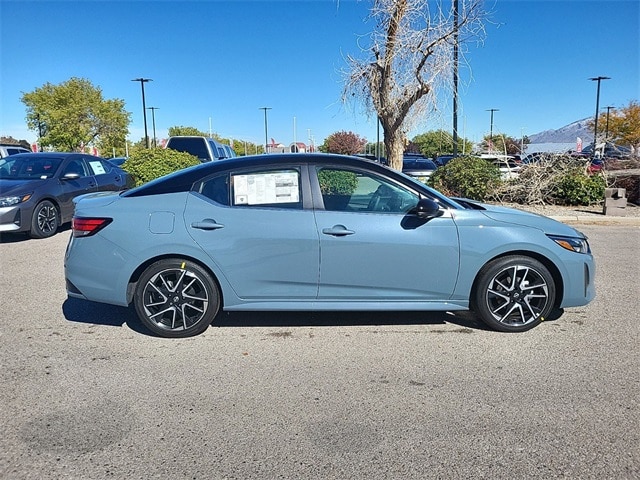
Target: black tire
{"points": [[514, 293], [176, 298], [45, 220]]}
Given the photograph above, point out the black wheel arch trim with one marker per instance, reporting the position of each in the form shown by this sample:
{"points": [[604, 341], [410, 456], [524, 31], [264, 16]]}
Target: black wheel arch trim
{"points": [[553, 270], [137, 273]]}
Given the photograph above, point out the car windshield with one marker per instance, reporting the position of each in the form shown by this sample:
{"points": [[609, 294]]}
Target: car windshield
{"points": [[19, 167]]}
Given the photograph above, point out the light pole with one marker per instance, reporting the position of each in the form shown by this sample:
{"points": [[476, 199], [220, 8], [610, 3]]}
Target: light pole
{"points": [[266, 135], [144, 108], [491, 128], [595, 125], [606, 131], [153, 122]]}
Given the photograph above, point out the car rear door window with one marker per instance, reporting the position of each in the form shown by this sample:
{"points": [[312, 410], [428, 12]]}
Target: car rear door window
{"points": [[277, 188], [267, 188]]}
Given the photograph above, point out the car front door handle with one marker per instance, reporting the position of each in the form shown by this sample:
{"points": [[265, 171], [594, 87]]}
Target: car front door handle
{"points": [[338, 231], [207, 224]]}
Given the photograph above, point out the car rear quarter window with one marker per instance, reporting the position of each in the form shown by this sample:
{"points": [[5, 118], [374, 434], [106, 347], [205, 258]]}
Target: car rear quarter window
{"points": [[216, 189]]}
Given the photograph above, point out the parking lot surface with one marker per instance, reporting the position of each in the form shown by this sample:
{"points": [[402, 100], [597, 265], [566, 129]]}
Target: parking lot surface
{"points": [[87, 393]]}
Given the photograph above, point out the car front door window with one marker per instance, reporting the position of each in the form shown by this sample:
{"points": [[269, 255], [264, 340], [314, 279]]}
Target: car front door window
{"points": [[353, 191]]}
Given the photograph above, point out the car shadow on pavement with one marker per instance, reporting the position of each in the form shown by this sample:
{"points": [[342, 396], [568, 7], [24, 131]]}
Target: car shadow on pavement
{"points": [[9, 237], [346, 318], [84, 311]]}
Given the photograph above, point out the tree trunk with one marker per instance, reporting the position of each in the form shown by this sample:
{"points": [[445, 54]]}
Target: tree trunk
{"points": [[394, 147]]}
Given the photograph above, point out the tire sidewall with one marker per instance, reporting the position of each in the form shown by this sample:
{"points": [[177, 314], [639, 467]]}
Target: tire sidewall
{"points": [[36, 231], [204, 276], [487, 274]]}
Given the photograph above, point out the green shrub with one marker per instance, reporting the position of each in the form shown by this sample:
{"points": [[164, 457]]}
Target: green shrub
{"points": [[576, 187], [145, 165], [337, 182], [468, 177]]}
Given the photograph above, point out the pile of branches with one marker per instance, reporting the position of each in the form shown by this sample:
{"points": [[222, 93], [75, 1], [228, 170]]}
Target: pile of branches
{"points": [[539, 183]]}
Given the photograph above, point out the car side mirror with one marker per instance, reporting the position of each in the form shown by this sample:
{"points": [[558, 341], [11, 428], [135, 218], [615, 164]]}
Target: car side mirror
{"points": [[427, 208], [70, 176]]}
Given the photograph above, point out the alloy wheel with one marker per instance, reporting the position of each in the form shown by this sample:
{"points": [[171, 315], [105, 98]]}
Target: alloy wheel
{"points": [[175, 299], [517, 295]]}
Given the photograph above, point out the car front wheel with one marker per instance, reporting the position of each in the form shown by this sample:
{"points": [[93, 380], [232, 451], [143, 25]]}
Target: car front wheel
{"points": [[176, 298], [514, 293], [45, 220]]}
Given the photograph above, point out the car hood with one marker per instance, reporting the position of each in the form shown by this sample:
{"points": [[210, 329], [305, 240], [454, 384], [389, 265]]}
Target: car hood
{"points": [[520, 217], [17, 187]]}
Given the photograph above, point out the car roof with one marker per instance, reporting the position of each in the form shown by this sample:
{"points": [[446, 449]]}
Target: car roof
{"points": [[183, 180], [51, 154]]}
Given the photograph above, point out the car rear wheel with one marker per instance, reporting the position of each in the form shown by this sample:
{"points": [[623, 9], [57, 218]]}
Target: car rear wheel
{"points": [[45, 220], [514, 294], [176, 298]]}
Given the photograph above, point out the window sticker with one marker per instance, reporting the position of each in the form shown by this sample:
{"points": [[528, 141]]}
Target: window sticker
{"points": [[97, 167], [266, 188]]}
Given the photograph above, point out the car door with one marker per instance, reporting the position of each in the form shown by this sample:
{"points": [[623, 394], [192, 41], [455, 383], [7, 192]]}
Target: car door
{"points": [[75, 179], [253, 226], [372, 249]]}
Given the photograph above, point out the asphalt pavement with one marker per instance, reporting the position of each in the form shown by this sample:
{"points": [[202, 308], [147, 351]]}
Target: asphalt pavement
{"points": [[87, 393]]}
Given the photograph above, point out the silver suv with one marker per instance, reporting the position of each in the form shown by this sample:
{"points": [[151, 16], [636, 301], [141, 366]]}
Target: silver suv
{"points": [[205, 148]]}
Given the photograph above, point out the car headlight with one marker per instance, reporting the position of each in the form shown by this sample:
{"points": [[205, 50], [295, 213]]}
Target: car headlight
{"points": [[574, 244], [14, 200]]}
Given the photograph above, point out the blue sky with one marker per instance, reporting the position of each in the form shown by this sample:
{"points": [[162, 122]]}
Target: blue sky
{"points": [[220, 61]]}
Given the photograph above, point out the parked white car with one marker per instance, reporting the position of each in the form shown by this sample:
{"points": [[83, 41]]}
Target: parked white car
{"points": [[507, 164]]}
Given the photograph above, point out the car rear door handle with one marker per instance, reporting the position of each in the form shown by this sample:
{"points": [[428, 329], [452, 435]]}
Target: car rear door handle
{"points": [[207, 224], [338, 231]]}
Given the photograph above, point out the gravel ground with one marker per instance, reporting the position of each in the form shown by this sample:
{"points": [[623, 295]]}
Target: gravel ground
{"points": [[591, 212], [594, 211]]}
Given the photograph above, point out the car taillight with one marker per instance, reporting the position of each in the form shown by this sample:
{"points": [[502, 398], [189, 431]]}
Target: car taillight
{"points": [[85, 227]]}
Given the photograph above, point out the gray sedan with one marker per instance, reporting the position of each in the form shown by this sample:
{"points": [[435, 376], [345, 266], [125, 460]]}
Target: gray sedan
{"points": [[37, 189]]}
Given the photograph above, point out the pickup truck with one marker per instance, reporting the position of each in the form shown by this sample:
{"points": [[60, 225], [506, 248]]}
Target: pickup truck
{"points": [[205, 148]]}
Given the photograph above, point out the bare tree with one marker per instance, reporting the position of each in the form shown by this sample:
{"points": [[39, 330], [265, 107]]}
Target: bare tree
{"points": [[409, 60]]}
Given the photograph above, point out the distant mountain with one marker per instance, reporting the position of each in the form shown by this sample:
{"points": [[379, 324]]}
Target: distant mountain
{"points": [[566, 134]]}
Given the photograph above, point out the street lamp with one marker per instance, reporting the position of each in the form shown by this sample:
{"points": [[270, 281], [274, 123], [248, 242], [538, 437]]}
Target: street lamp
{"points": [[595, 125], [144, 108], [491, 130], [606, 131], [153, 122], [266, 135]]}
